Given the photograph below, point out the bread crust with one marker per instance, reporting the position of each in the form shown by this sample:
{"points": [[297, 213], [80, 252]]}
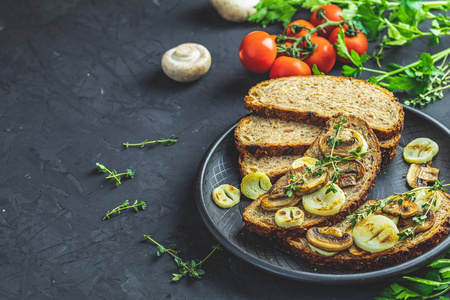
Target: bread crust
{"points": [[258, 136], [263, 223], [401, 252], [317, 118], [253, 125], [258, 165]]}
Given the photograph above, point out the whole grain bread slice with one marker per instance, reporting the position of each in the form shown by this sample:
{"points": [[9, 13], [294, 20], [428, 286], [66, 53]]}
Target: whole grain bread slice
{"points": [[263, 222], [273, 166], [315, 99], [401, 252], [259, 136]]}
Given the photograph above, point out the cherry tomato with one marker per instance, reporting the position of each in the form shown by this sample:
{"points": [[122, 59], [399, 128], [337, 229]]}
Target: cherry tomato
{"points": [[289, 66], [257, 51], [288, 31], [323, 57], [358, 43], [332, 13]]}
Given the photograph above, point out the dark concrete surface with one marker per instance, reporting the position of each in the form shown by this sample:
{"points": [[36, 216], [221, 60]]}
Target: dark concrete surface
{"points": [[77, 79]]}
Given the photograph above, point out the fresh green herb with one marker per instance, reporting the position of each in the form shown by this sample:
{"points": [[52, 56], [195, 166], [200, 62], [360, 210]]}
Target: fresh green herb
{"points": [[169, 142], [125, 205], [189, 268], [410, 195], [431, 282], [424, 79], [333, 142], [271, 11], [113, 174], [316, 71], [288, 189], [370, 209], [400, 18], [420, 220], [321, 165]]}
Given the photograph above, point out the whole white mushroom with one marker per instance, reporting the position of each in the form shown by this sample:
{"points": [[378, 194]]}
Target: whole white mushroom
{"points": [[186, 62], [235, 10]]}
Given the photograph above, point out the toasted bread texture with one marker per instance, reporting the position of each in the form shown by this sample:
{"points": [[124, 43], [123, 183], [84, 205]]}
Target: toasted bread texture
{"points": [[258, 136], [263, 222], [315, 99], [401, 252], [273, 166]]}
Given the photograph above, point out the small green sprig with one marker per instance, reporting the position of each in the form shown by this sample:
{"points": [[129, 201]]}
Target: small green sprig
{"points": [[424, 79], [189, 268], [321, 165], [168, 142], [288, 189], [410, 195], [420, 220], [333, 142], [113, 174], [126, 205]]}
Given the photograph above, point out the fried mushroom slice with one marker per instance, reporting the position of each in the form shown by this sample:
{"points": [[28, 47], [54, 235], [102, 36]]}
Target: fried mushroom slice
{"points": [[355, 250], [329, 239], [349, 141], [420, 175], [407, 209], [302, 181], [352, 170], [429, 222], [275, 204]]}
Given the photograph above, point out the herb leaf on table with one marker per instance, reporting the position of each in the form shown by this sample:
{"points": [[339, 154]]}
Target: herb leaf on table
{"points": [[188, 268], [126, 205], [113, 174], [168, 142]]}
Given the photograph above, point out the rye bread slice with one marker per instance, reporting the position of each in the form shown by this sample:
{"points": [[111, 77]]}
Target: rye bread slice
{"points": [[263, 222], [401, 252], [273, 166], [258, 136], [315, 99]]}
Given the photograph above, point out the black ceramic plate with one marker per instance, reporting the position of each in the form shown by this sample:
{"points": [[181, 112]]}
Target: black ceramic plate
{"points": [[220, 166]]}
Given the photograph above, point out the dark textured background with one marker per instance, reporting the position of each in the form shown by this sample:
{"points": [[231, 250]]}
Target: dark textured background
{"points": [[77, 79]]}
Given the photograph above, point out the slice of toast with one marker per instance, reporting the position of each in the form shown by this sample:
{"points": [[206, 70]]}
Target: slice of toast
{"points": [[263, 222], [402, 251], [258, 136], [273, 166], [315, 99]]}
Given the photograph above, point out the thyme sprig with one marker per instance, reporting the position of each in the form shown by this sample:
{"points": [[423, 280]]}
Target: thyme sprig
{"points": [[168, 142], [410, 195], [113, 174], [321, 165], [420, 220], [189, 268], [333, 142], [288, 189], [125, 205]]}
